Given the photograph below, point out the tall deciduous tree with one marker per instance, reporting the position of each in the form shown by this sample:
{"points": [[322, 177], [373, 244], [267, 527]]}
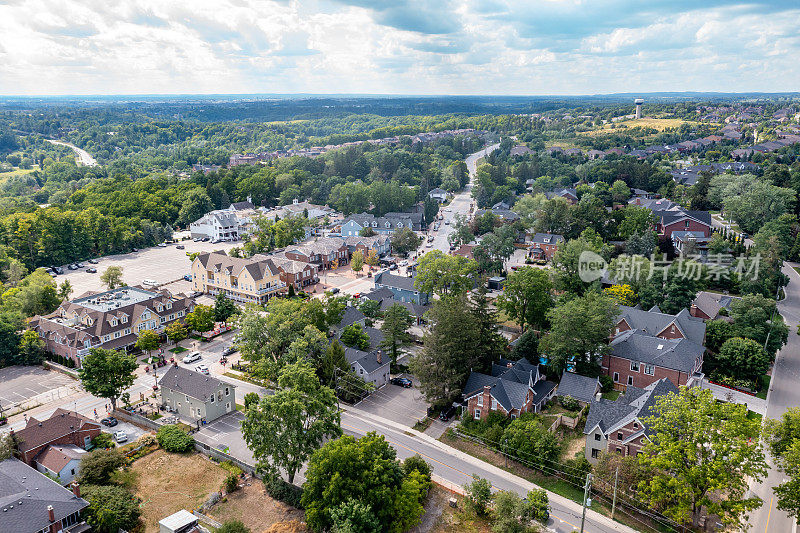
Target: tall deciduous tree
{"points": [[107, 373], [743, 359], [703, 454], [357, 261], [526, 296], [396, 321], [783, 437], [288, 426], [444, 274], [405, 241], [201, 319], [112, 277], [147, 341], [224, 308], [176, 332]]}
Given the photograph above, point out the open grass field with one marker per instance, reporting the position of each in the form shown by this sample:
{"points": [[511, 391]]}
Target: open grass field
{"points": [[17, 172], [659, 124]]}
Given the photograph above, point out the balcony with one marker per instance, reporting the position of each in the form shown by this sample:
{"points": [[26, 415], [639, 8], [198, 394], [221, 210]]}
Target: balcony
{"points": [[274, 288]]}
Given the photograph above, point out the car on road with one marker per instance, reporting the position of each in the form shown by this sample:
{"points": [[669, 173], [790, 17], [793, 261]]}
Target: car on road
{"points": [[187, 277], [393, 266], [402, 382], [91, 270], [120, 436], [446, 222], [203, 369], [229, 350], [334, 290], [180, 247], [93, 261], [162, 245], [110, 421], [197, 239], [192, 357], [147, 282], [403, 263], [134, 249]]}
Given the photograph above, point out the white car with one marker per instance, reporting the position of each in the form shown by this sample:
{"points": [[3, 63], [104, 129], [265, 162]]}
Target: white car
{"points": [[120, 436], [403, 263], [203, 369], [191, 358]]}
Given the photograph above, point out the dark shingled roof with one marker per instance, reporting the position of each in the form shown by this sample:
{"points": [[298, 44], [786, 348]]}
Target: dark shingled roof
{"points": [[390, 280], [350, 316], [194, 384], [676, 354], [579, 387], [509, 385], [30, 493], [654, 322], [367, 360], [635, 403], [60, 423]]}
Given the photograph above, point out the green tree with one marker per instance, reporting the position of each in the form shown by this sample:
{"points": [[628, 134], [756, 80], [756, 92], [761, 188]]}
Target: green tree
{"points": [[353, 516], [759, 204], [367, 232], [31, 349], [112, 277], [702, 454], [107, 373], [566, 261], [194, 204], [233, 526], [370, 308], [286, 427], [526, 297], [743, 359], [494, 249], [637, 220], [355, 337], [755, 317], [201, 319], [538, 506], [250, 399], [357, 261], [430, 208], [174, 439], [527, 438], [509, 510], [620, 192], [111, 508], [97, 467], [783, 438], [438, 273], [333, 362], [176, 331], [147, 341], [224, 309], [491, 344], [405, 241], [479, 494], [579, 331], [527, 346], [396, 321], [65, 290]]}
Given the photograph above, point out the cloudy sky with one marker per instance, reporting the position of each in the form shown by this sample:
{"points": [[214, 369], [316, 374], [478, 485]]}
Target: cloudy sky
{"points": [[397, 46]]}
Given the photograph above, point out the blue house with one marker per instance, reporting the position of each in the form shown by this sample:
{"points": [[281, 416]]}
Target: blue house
{"points": [[402, 288], [387, 224]]}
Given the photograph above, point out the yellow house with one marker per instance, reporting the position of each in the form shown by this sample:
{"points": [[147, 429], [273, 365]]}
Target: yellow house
{"points": [[253, 280]]}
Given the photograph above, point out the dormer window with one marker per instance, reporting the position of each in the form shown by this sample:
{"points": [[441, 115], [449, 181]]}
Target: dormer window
{"points": [[114, 322], [124, 318], [169, 305]]}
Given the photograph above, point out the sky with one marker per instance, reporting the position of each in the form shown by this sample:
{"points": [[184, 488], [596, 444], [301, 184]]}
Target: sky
{"points": [[492, 47]]}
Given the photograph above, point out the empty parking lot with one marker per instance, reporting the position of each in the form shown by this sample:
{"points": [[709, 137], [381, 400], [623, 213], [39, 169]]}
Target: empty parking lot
{"points": [[21, 383]]}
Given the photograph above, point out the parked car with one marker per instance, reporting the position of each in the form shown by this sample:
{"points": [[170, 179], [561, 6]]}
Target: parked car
{"points": [[110, 421], [91, 270], [393, 266], [120, 436], [403, 263], [79, 265], [58, 270], [73, 266], [447, 413], [187, 277], [228, 351], [402, 382], [162, 245], [206, 239], [180, 247], [191, 358], [147, 282], [93, 261], [197, 239], [334, 290], [134, 249], [203, 369]]}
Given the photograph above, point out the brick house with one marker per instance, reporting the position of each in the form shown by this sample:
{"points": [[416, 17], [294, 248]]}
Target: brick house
{"points": [[62, 428], [544, 245], [297, 273], [322, 252], [515, 387], [619, 425], [682, 220], [647, 346], [709, 305]]}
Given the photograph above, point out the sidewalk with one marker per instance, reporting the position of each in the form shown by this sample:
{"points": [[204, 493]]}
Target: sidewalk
{"points": [[757, 405]]}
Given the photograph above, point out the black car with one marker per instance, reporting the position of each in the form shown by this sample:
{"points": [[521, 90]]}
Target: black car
{"points": [[180, 247], [403, 382], [134, 249], [334, 290], [229, 350], [447, 413], [110, 421]]}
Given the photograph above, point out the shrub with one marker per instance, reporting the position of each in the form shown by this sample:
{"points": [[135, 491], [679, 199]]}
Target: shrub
{"points": [[174, 439], [283, 491], [479, 494], [111, 508], [569, 403], [606, 383], [537, 507], [148, 439], [415, 462], [231, 483], [234, 526], [96, 467], [103, 440]]}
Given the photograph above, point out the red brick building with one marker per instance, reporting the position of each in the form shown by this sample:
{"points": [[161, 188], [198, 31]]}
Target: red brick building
{"points": [[544, 245], [63, 427], [515, 387]]}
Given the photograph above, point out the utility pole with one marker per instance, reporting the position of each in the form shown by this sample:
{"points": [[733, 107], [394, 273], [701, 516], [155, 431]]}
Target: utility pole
{"points": [[586, 490], [614, 500]]}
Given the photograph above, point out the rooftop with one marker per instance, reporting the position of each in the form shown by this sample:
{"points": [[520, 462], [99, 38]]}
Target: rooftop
{"points": [[119, 297]]}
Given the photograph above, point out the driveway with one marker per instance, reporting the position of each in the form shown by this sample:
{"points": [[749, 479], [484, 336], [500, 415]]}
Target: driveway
{"points": [[395, 403], [225, 434]]}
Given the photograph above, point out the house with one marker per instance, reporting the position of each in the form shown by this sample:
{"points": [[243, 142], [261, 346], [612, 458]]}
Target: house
{"points": [[679, 219], [649, 345], [515, 387], [63, 428], [417, 311], [196, 396], [324, 252], [402, 288], [111, 320], [569, 194], [219, 225], [33, 503], [440, 195], [690, 243], [520, 150], [60, 461], [297, 273], [596, 154], [711, 305], [387, 224], [544, 245], [376, 337], [350, 316], [380, 244], [581, 388], [465, 250], [620, 426], [505, 215], [181, 522], [253, 280], [370, 366], [299, 209]]}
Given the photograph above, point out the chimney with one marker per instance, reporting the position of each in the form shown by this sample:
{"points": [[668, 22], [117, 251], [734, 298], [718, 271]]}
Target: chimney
{"points": [[51, 514], [509, 364], [76, 490], [379, 357]]}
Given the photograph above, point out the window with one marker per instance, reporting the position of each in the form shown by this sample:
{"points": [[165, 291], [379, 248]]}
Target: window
{"points": [[630, 380], [494, 404], [477, 414], [597, 436], [228, 406], [649, 370], [124, 318], [212, 398], [227, 391], [619, 450], [634, 366], [616, 377], [619, 435], [636, 425], [72, 471], [513, 417], [127, 331], [595, 453], [116, 334], [480, 400], [187, 397]]}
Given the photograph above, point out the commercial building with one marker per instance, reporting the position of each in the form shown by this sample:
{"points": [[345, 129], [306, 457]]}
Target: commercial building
{"points": [[253, 280], [219, 225]]}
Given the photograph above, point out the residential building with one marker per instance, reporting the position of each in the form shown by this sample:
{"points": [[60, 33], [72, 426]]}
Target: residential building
{"points": [[380, 244], [711, 305], [440, 195], [63, 428], [386, 298], [569, 194], [33, 503], [671, 217], [387, 224], [402, 288], [581, 388], [520, 150], [298, 208], [649, 345], [350, 316], [297, 273], [196, 396], [544, 245], [621, 425], [253, 280], [690, 243], [515, 387], [61, 462], [219, 225], [372, 366], [324, 252], [112, 320], [505, 215]]}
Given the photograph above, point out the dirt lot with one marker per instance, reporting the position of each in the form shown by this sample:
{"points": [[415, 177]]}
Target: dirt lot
{"points": [[441, 518], [253, 506]]}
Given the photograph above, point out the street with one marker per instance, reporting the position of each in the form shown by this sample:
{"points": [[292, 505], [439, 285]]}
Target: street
{"points": [[783, 394]]}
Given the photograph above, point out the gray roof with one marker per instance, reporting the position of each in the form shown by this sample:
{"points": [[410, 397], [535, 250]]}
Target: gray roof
{"points": [[387, 279], [378, 294], [547, 238], [415, 310], [375, 337], [635, 403], [581, 388], [676, 354], [710, 302], [25, 495], [654, 322], [510, 384], [350, 316], [367, 360], [191, 383]]}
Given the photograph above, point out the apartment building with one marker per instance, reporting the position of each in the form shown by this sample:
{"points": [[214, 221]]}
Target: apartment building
{"points": [[253, 280]]}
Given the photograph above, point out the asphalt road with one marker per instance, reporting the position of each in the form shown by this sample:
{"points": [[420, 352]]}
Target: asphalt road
{"points": [[783, 393]]}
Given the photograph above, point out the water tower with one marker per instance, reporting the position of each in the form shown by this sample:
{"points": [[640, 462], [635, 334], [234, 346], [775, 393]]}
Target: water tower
{"points": [[638, 103]]}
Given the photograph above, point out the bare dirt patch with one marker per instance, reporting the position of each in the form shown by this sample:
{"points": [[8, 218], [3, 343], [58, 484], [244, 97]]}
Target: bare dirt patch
{"points": [[257, 510], [439, 517]]}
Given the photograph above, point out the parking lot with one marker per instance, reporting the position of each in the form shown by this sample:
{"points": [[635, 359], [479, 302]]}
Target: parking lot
{"points": [[224, 434], [396, 403], [21, 383], [163, 265]]}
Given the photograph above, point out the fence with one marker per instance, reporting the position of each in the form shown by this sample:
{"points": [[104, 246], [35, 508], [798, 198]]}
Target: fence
{"points": [[568, 421], [207, 519], [219, 455], [50, 365], [136, 419]]}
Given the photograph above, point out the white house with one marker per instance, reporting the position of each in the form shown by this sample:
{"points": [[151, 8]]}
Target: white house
{"points": [[220, 225], [440, 195]]}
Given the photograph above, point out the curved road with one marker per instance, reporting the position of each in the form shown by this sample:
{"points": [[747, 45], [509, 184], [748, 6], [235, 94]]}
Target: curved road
{"points": [[82, 156]]}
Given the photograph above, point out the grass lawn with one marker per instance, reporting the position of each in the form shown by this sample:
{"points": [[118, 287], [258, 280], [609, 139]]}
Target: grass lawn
{"points": [[659, 124], [258, 511], [611, 395], [178, 349], [764, 386]]}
